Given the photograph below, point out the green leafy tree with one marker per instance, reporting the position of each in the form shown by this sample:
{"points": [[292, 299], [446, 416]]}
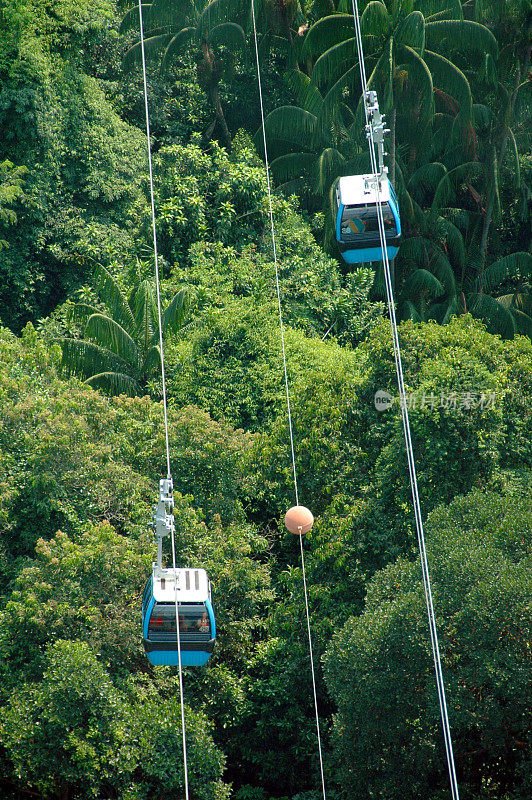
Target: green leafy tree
{"points": [[120, 349], [73, 733], [209, 29], [83, 160], [11, 191], [403, 63], [401, 66], [208, 196], [469, 416], [387, 732]]}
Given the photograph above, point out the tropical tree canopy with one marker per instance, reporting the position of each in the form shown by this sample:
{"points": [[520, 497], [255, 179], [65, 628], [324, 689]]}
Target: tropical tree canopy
{"points": [[120, 351]]}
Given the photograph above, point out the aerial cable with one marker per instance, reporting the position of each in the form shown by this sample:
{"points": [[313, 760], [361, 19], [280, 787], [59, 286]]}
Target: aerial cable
{"points": [[274, 246], [287, 390], [406, 425], [166, 496]]}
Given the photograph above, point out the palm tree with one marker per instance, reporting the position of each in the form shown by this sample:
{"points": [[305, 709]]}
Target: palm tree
{"points": [[171, 28], [509, 313], [119, 351], [446, 238], [317, 138], [306, 156], [401, 62]]}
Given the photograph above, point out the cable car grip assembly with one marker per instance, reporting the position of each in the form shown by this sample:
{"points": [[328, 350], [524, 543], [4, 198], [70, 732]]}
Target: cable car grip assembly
{"points": [[376, 129], [164, 521]]}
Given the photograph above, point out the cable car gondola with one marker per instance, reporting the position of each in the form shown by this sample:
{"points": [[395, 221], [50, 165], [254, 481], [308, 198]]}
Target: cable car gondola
{"points": [[197, 628], [356, 220]]}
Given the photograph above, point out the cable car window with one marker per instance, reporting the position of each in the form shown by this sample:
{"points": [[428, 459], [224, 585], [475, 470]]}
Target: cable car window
{"points": [[361, 221], [193, 620]]}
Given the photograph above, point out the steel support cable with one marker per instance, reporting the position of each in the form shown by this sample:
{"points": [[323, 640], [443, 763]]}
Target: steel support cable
{"points": [[292, 449], [163, 379], [407, 433]]}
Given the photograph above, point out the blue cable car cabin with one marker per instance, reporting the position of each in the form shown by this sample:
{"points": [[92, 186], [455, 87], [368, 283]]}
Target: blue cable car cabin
{"points": [[197, 627], [356, 220]]}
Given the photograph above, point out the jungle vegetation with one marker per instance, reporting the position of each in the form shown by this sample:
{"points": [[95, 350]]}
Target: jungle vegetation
{"points": [[83, 716]]}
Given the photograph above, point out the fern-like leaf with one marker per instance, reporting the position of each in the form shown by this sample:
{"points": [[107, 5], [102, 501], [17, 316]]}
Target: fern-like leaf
{"points": [[115, 383], [462, 35], [110, 293], [497, 319], [175, 312], [107, 333], [84, 358], [517, 265]]}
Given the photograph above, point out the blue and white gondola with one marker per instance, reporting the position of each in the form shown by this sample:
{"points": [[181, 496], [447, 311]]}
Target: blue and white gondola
{"points": [[197, 627], [356, 218]]}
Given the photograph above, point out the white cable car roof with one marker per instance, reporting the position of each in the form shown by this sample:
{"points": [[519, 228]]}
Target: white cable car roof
{"points": [[360, 189], [192, 585]]}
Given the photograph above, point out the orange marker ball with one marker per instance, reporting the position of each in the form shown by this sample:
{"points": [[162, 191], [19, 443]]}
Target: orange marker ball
{"points": [[299, 520]]}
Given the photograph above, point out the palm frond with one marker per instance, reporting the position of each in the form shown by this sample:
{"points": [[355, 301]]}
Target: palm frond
{"points": [[305, 92], [297, 186], [144, 307], [425, 179], [172, 15], [229, 34], [462, 35], [421, 80], [291, 124], [131, 20], [175, 312], [498, 320], [152, 45], [80, 312], [452, 80], [292, 166], [452, 240], [115, 383], [420, 253], [523, 322], [421, 282], [446, 191], [332, 64], [523, 100], [442, 311], [84, 358], [177, 44], [411, 32], [358, 165], [152, 361], [442, 9], [375, 20], [406, 309], [515, 153], [325, 33], [483, 115], [452, 310], [517, 265], [107, 333], [110, 293], [328, 166], [330, 106], [218, 12]]}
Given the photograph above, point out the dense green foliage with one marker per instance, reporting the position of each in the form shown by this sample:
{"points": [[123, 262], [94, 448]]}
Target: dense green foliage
{"points": [[82, 713], [380, 666]]}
